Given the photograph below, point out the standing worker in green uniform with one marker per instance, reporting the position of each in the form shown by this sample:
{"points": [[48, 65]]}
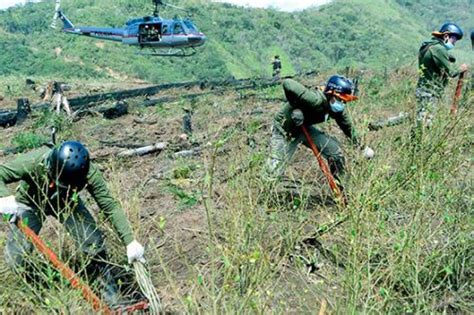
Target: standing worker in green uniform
{"points": [[276, 63], [472, 40], [308, 107], [435, 67], [50, 179]]}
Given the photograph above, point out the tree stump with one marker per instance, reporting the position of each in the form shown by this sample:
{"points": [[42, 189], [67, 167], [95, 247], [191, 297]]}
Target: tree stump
{"points": [[22, 110], [187, 121], [119, 109]]}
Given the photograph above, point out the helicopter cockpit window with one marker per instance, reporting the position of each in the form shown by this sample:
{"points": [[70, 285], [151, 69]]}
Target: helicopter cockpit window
{"points": [[191, 27], [178, 28], [166, 29]]}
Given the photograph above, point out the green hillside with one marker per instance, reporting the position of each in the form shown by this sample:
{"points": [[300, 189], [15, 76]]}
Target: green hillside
{"points": [[219, 237], [360, 33]]}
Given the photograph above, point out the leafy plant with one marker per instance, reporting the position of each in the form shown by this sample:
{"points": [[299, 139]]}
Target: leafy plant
{"points": [[28, 140]]}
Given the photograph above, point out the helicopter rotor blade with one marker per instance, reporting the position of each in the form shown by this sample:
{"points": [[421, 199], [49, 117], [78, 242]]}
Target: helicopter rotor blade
{"points": [[56, 14], [160, 2], [173, 6]]}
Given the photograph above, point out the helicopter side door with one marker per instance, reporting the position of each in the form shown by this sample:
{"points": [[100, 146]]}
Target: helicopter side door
{"points": [[149, 33]]}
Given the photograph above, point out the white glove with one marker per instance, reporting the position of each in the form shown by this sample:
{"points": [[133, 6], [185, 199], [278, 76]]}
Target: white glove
{"points": [[135, 252], [368, 153], [9, 205]]}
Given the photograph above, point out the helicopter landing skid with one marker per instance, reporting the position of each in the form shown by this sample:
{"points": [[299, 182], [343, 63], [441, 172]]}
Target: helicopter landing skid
{"points": [[170, 53]]}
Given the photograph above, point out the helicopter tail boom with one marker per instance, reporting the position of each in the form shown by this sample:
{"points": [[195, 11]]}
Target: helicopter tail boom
{"points": [[106, 33], [67, 24]]}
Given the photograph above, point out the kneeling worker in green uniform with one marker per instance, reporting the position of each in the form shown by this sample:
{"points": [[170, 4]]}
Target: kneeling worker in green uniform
{"points": [[50, 179], [308, 107]]}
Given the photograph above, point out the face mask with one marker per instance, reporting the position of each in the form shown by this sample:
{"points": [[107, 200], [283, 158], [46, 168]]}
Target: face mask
{"points": [[448, 45], [337, 106]]}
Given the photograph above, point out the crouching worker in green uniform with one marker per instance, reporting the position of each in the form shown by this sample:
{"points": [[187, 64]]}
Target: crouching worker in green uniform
{"points": [[50, 179], [308, 107], [435, 67]]}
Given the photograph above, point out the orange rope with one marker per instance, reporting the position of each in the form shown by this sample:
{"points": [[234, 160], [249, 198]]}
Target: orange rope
{"points": [[457, 94], [140, 306], [323, 166], [65, 271]]}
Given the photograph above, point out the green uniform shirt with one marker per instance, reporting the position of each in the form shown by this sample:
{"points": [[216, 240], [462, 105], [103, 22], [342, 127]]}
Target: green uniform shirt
{"points": [[35, 189], [434, 66], [315, 108]]}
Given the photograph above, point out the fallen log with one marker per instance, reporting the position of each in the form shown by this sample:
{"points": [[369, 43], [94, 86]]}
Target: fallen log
{"points": [[121, 144], [389, 122], [81, 113], [86, 101], [144, 121], [188, 153], [117, 110], [7, 119], [169, 99], [159, 100], [22, 110], [143, 150]]}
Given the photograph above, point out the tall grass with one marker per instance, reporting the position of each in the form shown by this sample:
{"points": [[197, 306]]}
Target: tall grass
{"points": [[402, 245]]}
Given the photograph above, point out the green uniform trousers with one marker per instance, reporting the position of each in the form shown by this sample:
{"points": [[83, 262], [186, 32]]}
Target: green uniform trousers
{"points": [[427, 105], [283, 149], [78, 222]]}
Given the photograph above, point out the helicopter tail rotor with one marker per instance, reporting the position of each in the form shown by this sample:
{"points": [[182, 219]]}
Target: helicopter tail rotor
{"points": [[56, 13]]}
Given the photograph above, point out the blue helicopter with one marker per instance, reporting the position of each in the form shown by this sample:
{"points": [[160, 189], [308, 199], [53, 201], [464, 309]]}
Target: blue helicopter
{"points": [[163, 37]]}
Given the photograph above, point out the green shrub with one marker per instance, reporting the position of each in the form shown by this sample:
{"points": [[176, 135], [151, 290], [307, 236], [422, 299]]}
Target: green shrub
{"points": [[28, 140]]}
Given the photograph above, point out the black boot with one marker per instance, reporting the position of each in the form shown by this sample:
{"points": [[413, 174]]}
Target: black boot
{"points": [[337, 166], [100, 271], [109, 289]]}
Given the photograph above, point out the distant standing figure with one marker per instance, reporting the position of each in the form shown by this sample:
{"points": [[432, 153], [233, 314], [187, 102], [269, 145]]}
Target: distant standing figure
{"points": [[472, 39], [187, 121], [276, 67]]}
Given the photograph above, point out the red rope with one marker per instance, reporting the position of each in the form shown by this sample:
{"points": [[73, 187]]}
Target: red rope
{"points": [[65, 271]]}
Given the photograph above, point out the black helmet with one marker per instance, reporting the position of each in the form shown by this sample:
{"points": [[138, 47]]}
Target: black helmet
{"points": [[451, 29], [69, 165], [340, 86]]}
